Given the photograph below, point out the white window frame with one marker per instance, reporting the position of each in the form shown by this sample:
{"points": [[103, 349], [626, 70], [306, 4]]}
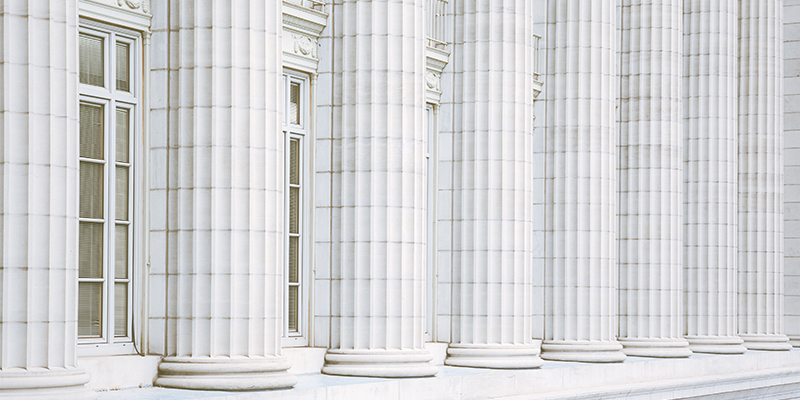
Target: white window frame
{"points": [[111, 99], [303, 133], [431, 195]]}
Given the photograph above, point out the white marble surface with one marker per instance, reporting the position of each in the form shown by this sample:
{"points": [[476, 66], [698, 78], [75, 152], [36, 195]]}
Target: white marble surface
{"points": [[710, 175], [491, 270], [224, 307], [39, 149], [760, 265], [651, 180], [581, 199], [751, 375], [378, 189]]}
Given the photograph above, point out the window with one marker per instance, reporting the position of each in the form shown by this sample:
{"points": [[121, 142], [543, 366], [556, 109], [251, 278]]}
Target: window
{"points": [[295, 271], [109, 99], [431, 194]]}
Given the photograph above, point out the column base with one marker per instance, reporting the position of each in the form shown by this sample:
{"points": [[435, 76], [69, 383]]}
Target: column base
{"points": [[493, 356], [655, 347], [766, 342], [794, 340], [379, 363], [583, 351], [716, 344], [224, 373], [43, 383]]}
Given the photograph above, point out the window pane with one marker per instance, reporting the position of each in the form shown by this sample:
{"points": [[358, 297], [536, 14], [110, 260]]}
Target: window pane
{"points": [[123, 61], [121, 212], [293, 307], [90, 250], [121, 252], [91, 60], [294, 243], [91, 126], [90, 301], [294, 103], [294, 162], [120, 309], [123, 132], [294, 205], [91, 195]]}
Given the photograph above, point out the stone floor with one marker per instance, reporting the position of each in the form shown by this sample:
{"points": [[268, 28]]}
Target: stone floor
{"points": [[767, 375]]}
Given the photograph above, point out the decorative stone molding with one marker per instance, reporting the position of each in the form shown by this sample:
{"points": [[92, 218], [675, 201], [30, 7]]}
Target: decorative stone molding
{"points": [[143, 5], [436, 60], [132, 14], [302, 27]]}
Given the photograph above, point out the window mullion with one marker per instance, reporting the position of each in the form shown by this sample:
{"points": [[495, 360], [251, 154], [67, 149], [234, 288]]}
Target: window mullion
{"points": [[111, 202]]}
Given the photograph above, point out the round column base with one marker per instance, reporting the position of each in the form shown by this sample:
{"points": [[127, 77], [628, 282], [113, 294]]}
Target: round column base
{"points": [[582, 351], [379, 363], [43, 383], [655, 347], [224, 373], [716, 344], [766, 342], [493, 356]]}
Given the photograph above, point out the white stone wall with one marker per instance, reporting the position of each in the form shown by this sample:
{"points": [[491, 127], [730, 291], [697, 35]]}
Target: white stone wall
{"points": [[791, 82]]}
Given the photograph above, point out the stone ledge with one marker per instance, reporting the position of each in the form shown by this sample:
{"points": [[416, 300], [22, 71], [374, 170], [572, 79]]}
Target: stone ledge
{"points": [[754, 374]]}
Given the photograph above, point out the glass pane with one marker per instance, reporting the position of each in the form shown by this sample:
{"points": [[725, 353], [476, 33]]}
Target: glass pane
{"points": [[91, 195], [294, 205], [294, 160], [91, 125], [121, 212], [293, 307], [90, 307], [121, 252], [294, 247], [90, 250], [123, 62], [91, 60], [120, 309], [294, 103], [123, 129]]}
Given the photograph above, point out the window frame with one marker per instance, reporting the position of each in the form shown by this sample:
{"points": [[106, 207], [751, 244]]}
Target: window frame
{"points": [[431, 197], [112, 100], [301, 131]]}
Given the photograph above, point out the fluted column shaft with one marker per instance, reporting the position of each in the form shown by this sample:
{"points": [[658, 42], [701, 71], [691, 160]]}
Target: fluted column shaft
{"points": [[225, 198], [39, 142], [581, 202], [492, 269], [761, 175], [710, 147], [378, 270], [651, 180]]}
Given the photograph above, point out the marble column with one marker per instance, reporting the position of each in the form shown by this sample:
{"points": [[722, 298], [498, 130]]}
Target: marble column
{"points": [[651, 180], [581, 194], [225, 224], [492, 271], [378, 229], [761, 175], [709, 175], [39, 140]]}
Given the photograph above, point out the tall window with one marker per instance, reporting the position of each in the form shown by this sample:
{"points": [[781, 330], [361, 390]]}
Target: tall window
{"points": [[430, 199], [109, 98], [295, 129]]}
